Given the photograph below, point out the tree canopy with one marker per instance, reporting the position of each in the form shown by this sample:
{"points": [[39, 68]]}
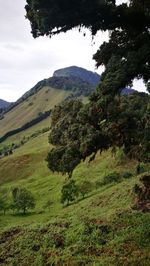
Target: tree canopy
{"points": [[108, 120], [128, 25]]}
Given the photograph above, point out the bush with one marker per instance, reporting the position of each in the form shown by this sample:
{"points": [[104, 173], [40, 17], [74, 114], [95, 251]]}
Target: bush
{"points": [[143, 193], [85, 188], [69, 192], [112, 177], [127, 175], [141, 168], [22, 200]]}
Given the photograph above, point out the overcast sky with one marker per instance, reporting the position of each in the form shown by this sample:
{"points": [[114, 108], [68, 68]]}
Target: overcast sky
{"points": [[24, 60]]}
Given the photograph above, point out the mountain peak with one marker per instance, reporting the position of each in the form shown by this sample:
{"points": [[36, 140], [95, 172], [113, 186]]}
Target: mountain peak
{"points": [[74, 71]]}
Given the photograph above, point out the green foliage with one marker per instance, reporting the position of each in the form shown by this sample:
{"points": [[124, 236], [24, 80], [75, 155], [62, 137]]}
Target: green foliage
{"points": [[69, 192], [85, 187], [108, 120], [75, 134], [141, 168], [125, 56], [127, 174], [22, 199], [143, 193], [112, 177], [79, 131]]}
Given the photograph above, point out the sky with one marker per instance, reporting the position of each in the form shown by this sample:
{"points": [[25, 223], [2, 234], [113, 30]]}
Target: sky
{"points": [[24, 60]]}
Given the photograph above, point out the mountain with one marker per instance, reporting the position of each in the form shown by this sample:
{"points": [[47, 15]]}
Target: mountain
{"points": [[4, 104], [127, 91], [74, 71], [78, 81], [35, 104], [39, 100]]}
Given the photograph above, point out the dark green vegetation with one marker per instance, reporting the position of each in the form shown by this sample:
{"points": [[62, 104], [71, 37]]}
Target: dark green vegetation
{"points": [[22, 199], [79, 130], [107, 120], [104, 218]]}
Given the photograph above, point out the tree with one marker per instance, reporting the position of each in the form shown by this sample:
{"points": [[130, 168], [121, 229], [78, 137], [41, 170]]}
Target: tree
{"points": [[108, 120], [85, 188], [22, 200], [125, 56], [79, 131], [69, 192]]}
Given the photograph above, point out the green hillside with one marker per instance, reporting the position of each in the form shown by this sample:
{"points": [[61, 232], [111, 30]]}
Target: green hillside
{"points": [[43, 100], [102, 229]]}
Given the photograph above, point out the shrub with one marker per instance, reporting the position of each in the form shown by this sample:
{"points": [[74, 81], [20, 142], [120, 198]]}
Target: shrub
{"points": [[85, 188], [69, 192], [112, 177], [127, 175], [141, 168], [22, 200], [143, 193]]}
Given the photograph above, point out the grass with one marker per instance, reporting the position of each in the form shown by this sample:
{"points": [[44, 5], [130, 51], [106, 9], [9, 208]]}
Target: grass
{"points": [[42, 101], [101, 229]]}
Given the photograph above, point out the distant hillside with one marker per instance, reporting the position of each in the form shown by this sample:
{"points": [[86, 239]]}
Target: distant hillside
{"points": [[74, 71], [127, 91], [4, 104], [30, 108]]}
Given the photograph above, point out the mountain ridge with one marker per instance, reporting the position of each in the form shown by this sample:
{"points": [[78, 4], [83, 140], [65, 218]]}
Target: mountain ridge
{"points": [[4, 104], [82, 82]]}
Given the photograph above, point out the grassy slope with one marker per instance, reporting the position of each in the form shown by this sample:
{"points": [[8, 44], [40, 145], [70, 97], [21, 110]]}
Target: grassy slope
{"points": [[28, 132], [42, 101], [115, 233]]}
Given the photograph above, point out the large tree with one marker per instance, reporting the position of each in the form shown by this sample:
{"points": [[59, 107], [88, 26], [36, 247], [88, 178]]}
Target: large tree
{"points": [[125, 56], [106, 121]]}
